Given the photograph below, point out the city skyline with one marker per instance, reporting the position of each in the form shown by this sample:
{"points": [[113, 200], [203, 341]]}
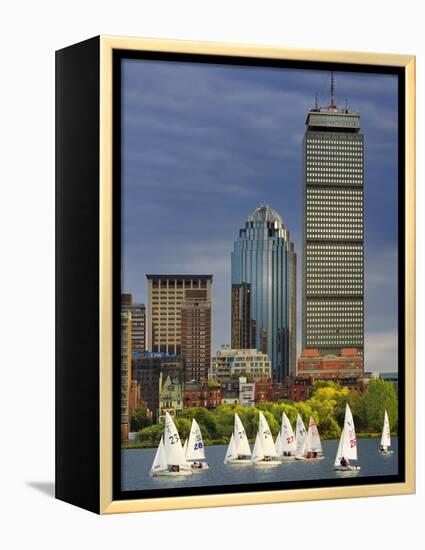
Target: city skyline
{"points": [[242, 130]]}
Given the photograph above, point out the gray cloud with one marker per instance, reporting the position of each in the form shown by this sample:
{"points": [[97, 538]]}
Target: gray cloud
{"points": [[203, 145]]}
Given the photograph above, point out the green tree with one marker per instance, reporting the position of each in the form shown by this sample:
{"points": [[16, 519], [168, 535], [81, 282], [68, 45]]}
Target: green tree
{"points": [[380, 395], [151, 435], [140, 418]]}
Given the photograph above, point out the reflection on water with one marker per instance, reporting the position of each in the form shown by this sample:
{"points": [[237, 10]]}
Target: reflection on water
{"points": [[136, 464]]}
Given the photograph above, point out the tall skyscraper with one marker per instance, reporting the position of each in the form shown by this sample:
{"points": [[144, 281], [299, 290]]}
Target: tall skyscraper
{"points": [[125, 373], [196, 337], [138, 322], [264, 290], [168, 296], [333, 212]]}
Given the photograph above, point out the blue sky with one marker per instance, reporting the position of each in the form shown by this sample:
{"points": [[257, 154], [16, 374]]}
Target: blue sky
{"points": [[203, 145]]}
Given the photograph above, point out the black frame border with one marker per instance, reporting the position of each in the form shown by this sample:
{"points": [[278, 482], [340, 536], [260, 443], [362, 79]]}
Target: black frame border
{"points": [[118, 56]]}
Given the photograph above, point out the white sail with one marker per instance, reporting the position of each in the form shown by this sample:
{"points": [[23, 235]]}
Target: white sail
{"points": [[278, 445], [241, 440], [172, 443], [257, 453], [339, 451], [349, 441], [195, 446], [160, 462], [313, 443], [287, 436], [300, 437], [232, 452], [386, 434], [185, 447], [266, 436]]}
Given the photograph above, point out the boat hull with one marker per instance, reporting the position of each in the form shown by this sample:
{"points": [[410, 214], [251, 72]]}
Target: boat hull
{"points": [[309, 459], [167, 473], [386, 452], [239, 461], [347, 468]]}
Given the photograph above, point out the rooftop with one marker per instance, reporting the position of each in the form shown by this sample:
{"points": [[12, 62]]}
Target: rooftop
{"points": [[264, 214], [180, 277]]}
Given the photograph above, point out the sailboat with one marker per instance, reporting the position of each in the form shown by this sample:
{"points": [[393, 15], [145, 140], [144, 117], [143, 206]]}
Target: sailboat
{"points": [[195, 450], [278, 445], [169, 458], [313, 445], [287, 440], [385, 446], [347, 448], [238, 451], [264, 453], [300, 438]]}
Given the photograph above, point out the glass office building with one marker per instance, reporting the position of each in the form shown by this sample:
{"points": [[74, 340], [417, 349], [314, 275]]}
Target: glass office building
{"points": [[264, 290], [333, 226]]}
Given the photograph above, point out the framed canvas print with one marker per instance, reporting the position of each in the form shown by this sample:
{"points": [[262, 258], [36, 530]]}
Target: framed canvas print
{"points": [[235, 274]]}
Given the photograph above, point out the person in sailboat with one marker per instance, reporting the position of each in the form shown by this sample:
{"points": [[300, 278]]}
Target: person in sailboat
{"points": [[344, 462]]}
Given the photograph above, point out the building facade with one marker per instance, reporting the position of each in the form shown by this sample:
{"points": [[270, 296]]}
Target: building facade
{"points": [[229, 363], [149, 370], [333, 230], [125, 369], [138, 322], [196, 336], [264, 290], [202, 394], [246, 392], [345, 368], [170, 398], [179, 303]]}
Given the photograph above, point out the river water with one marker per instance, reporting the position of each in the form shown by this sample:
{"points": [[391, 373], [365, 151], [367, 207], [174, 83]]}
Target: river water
{"points": [[136, 464]]}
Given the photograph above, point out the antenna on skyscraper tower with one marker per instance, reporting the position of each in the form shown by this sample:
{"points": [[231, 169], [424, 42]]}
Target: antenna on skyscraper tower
{"points": [[316, 106]]}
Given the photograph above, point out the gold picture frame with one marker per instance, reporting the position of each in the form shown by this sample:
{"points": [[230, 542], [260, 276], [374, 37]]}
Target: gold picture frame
{"points": [[106, 46]]}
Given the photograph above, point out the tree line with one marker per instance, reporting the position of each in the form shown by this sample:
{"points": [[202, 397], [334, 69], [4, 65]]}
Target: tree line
{"points": [[326, 405]]}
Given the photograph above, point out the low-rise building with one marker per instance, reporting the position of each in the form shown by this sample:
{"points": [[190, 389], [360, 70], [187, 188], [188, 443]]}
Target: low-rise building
{"points": [[262, 391], [202, 394], [298, 389], [239, 362], [230, 391], [277, 392], [170, 398], [246, 392], [346, 368]]}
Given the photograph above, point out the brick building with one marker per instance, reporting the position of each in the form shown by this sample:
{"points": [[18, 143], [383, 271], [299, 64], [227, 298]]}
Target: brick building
{"points": [[202, 394], [345, 368]]}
